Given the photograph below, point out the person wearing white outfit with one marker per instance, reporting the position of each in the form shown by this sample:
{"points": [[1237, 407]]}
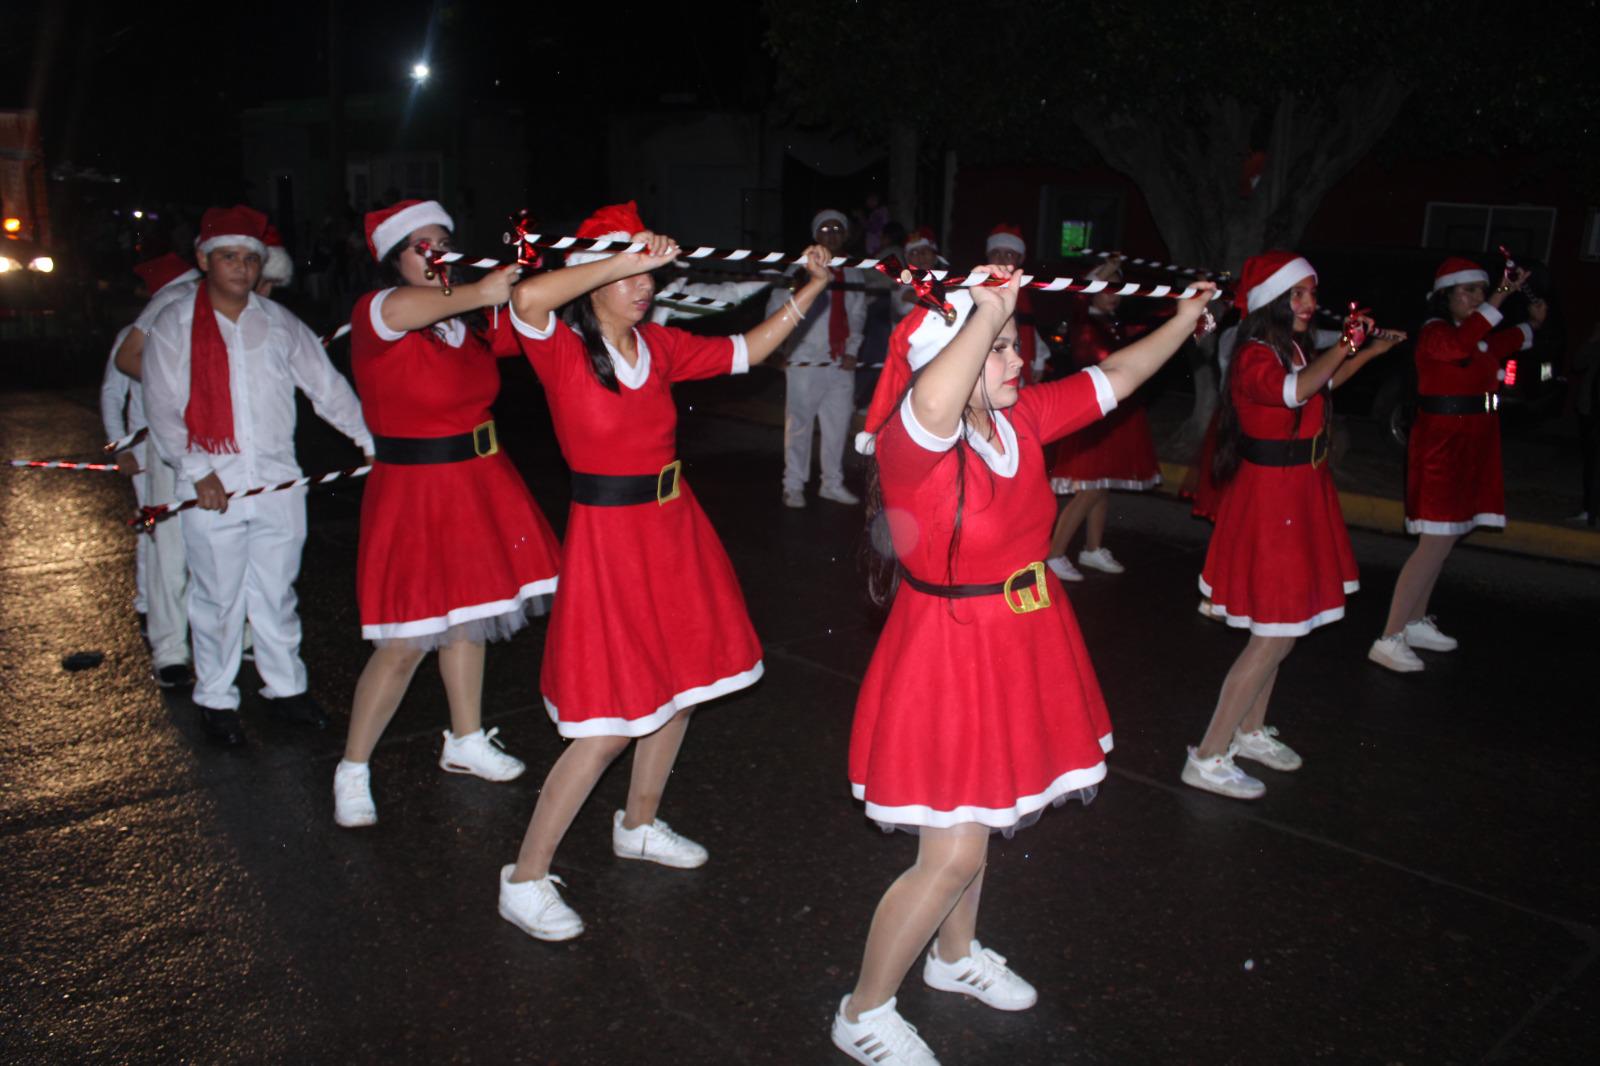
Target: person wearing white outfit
{"points": [[821, 374], [219, 395]]}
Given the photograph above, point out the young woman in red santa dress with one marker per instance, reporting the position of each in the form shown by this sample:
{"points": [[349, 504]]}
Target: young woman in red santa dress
{"points": [[1116, 452], [454, 552], [1279, 562], [650, 620], [1453, 479], [980, 707]]}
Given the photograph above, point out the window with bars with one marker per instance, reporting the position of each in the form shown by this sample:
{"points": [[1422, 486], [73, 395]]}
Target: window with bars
{"points": [[1526, 229]]}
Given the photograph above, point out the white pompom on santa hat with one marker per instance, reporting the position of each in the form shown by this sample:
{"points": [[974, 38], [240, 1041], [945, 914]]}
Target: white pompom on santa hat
{"points": [[1458, 271], [277, 267], [232, 227], [389, 227], [1008, 237]]}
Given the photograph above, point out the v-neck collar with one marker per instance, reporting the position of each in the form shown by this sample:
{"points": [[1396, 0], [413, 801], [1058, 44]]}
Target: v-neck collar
{"points": [[636, 375]]}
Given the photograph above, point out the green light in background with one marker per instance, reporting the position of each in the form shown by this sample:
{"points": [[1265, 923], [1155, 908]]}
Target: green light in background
{"points": [[1075, 236]]}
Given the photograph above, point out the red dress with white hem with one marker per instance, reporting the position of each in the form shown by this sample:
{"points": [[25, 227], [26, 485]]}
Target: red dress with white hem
{"points": [[650, 619], [1279, 562], [446, 550], [970, 712], [1118, 451]]}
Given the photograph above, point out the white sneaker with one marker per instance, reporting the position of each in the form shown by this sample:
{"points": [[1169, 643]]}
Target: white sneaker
{"points": [[537, 908], [839, 494], [1263, 747], [983, 975], [1100, 559], [1218, 774], [1424, 633], [352, 795], [656, 842], [794, 498], [1393, 653], [1062, 567], [479, 754], [880, 1037]]}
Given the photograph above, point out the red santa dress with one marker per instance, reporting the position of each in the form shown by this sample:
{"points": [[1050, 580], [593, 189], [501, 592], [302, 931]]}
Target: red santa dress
{"points": [[448, 551], [970, 711], [650, 619], [1116, 452], [1453, 477], [1279, 562]]}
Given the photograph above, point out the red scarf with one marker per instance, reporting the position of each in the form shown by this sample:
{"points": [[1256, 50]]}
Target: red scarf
{"points": [[838, 321], [209, 415]]}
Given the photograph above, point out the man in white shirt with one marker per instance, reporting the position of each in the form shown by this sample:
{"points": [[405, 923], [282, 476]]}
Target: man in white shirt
{"points": [[220, 372], [821, 374]]}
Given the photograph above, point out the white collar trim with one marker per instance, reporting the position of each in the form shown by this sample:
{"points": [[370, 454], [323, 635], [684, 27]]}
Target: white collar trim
{"points": [[632, 376], [1003, 464]]}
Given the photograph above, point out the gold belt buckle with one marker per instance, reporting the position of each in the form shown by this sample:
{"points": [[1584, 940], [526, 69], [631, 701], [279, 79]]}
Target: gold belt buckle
{"points": [[1319, 448], [1026, 600], [482, 432], [674, 470]]}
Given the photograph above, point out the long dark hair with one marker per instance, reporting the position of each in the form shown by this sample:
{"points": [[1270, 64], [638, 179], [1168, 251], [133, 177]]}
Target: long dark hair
{"points": [[579, 314], [389, 276], [1272, 325]]}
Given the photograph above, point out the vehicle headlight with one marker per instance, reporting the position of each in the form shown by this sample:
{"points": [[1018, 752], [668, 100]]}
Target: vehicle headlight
{"points": [[7, 264], [43, 264]]}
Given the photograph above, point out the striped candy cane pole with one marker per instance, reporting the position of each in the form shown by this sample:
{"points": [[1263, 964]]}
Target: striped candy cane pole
{"points": [[149, 516], [441, 260], [58, 464], [112, 447]]}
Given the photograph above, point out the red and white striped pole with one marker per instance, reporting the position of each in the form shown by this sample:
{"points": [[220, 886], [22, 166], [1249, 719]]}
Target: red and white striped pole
{"points": [[149, 516], [60, 464]]}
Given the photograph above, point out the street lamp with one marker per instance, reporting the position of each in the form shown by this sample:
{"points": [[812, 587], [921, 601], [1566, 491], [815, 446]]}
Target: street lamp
{"points": [[420, 72]]}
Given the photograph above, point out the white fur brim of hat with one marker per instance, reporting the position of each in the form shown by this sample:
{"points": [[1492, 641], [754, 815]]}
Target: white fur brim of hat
{"points": [[1279, 282], [920, 242], [1009, 241], [580, 258], [828, 215], [1460, 277], [277, 268], [231, 240], [398, 226]]}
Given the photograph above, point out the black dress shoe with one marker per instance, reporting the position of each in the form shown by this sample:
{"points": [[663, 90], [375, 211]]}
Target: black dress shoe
{"points": [[174, 675], [222, 727], [299, 710]]}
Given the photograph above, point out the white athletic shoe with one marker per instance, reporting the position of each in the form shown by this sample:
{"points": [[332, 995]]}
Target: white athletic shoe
{"points": [[1424, 633], [880, 1037], [1100, 559], [1263, 747], [537, 908], [839, 494], [479, 754], [352, 795], [1062, 567], [1218, 774], [656, 842], [1393, 653], [983, 975], [794, 498]]}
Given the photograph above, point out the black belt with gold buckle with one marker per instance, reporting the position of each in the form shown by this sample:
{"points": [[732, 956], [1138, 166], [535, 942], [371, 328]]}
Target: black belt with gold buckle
{"points": [[1025, 590], [625, 490], [1296, 451], [424, 451], [1474, 403]]}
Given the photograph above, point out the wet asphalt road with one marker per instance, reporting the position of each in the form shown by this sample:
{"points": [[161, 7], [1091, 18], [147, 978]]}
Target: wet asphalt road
{"points": [[1423, 891]]}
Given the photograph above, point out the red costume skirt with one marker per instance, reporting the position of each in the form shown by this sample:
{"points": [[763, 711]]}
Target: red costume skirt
{"points": [[1116, 452], [1453, 478]]}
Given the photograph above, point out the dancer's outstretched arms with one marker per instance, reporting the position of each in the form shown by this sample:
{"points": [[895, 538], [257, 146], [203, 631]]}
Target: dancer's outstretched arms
{"points": [[412, 307], [940, 395], [537, 298], [1128, 368], [765, 338]]}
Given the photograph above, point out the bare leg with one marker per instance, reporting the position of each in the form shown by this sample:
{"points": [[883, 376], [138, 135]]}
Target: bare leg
{"points": [[461, 667], [565, 789], [914, 908], [1414, 587], [1072, 516], [653, 758], [1098, 509], [379, 690], [1251, 674]]}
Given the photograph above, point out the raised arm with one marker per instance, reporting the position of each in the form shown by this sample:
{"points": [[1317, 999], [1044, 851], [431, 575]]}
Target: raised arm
{"points": [[536, 299], [940, 395], [412, 307], [765, 338], [1129, 367]]}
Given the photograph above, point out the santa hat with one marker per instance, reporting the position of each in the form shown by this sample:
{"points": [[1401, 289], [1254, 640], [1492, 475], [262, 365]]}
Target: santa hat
{"points": [[614, 222], [921, 237], [164, 270], [1008, 237], [237, 227], [1458, 271], [389, 227], [919, 337], [828, 214], [1268, 276], [277, 268]]}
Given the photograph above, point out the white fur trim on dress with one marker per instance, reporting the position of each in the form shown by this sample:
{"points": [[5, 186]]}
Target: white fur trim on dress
{"points": [[1460, 277], [1489, 311], [993, 817], [460, 615], [1455, 529], [1291, 390], [1063, 486], [643, 727], [398, 226], [1104, 394], [230, 240], [1009, 241], [1276, 629], [741, 354], [1279, 282], [532, 332], [1004, 464], [379, 326]]}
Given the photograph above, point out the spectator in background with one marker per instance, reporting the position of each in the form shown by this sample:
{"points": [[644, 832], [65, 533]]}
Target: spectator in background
{"points": [[1006, 247]]}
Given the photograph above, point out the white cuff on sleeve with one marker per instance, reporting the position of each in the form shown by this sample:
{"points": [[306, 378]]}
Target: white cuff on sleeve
{"points": [[1291, 386], [1491, 312], [379, 326], [1102, 390], [529, 331], [1527, 336], [920, 436], [194, 467], [741, 354]]}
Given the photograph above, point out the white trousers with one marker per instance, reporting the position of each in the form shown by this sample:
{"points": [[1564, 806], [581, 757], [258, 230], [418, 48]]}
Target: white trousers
{"points": [[821, 395], [243, 564], [161, 569]]}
